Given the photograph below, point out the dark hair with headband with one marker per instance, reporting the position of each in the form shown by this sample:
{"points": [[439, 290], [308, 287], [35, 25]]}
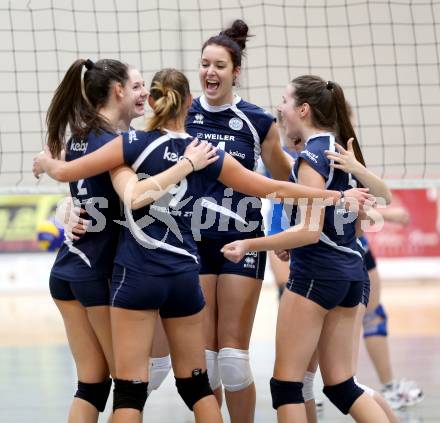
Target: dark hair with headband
{"points": [[233, 40], [328, 108], [77, 99]]}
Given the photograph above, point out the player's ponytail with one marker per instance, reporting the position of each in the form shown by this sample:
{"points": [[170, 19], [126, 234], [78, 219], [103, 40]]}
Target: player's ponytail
{"points": [[169, 89], [328, 108], [232, 39], [76, 102]]}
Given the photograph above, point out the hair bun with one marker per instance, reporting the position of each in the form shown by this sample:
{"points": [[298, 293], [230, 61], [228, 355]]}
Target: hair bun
{"points": [[237, 32]]}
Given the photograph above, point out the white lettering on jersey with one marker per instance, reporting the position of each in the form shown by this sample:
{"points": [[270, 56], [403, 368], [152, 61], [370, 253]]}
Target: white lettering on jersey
{"points": [[237, 154], [170, 156], [132, 136], [198, 118], [214, 137], [311, 156], [78, 146]]}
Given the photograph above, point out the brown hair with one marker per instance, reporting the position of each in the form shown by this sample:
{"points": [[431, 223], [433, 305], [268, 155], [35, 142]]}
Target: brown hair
{"points": [[76, 100], [169, 89], [328, 108], [233, 39]]}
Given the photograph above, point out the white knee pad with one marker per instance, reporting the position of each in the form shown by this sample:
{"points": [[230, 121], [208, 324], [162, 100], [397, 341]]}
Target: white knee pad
{"points": [[235, 370], [159, 369], [307, 389], [369, 391], [213, 370]]}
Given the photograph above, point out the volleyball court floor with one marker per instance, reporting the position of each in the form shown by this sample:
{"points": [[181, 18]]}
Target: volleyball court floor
{"points": [[38, 377]]}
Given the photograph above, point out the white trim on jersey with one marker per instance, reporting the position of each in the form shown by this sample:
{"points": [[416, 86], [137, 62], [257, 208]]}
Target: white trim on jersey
{"points": [[257, 144], [119, 287], [332, 148], [223, 210], [326, 240], [77, 251], [215, 109], [147, 151], [147, 241]]}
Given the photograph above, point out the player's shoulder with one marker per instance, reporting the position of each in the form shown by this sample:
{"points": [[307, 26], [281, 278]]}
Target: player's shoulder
{"points": [[252, 109], [322, 141]]}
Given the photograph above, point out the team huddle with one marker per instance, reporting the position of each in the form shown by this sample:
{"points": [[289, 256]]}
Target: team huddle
{"points": [[165, 266]]}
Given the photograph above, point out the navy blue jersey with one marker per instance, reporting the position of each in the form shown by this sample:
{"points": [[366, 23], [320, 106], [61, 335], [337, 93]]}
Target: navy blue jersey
{"points": [[336, 255], [158, 239], [239, 129], [91, 256]]}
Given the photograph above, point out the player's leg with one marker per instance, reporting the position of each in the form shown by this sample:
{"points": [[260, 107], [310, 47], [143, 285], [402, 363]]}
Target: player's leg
{"points": [[132, 332], [336, 349], [280, 271], [160, 360], [183, 318], [237, 299], [298, 328], [91, 365], [209, 287]]}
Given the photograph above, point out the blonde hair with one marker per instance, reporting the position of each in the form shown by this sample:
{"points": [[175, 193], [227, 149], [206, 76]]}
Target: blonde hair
{"points": [[169, 90]]}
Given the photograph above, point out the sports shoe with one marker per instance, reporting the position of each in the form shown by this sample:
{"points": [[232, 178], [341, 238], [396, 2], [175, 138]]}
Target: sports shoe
{"points": [[402, 393]]}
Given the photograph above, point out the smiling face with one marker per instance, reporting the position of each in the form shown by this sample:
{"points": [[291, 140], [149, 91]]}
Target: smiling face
{"points": [[292, 114], [217, 75], [135, 94]]}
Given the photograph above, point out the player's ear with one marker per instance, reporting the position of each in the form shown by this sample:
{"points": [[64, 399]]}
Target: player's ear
{"points": [[189, 100], [118, 90], [304, 110], [150, 101]]}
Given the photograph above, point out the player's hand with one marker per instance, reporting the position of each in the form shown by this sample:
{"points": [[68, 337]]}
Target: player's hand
{"points": [[283, 255], [70, 216], [344, 159], [398, 215], [235, 251], [356, 199], [39, 161], [201, 153]]}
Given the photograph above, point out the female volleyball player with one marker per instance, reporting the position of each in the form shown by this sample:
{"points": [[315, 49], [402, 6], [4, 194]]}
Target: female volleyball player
{"points": [[97, 101], [232, 290], [325, 284], [157, 264]]}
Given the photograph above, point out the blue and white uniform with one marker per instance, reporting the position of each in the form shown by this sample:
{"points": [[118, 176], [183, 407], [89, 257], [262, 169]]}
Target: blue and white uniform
{"points": [[157, 262], [239, 129], [369, 264], [83, 267], [330, 272]]}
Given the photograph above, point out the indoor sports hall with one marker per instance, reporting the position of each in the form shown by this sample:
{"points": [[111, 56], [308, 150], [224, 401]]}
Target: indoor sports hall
{"points": [[386, 56]]}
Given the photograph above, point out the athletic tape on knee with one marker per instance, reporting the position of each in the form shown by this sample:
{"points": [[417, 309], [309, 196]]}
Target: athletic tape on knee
{"points": [[343, 395], [285, 392], [158, 371], [94, 393], [213, 370], [375, 323], [130, 394], [369, 391], [307, 389], [235, 369], [194, 388]]}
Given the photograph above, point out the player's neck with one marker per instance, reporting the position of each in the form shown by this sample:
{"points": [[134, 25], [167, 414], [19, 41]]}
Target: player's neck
{"points": [[175, 125], [113, 116], [309, 131]]}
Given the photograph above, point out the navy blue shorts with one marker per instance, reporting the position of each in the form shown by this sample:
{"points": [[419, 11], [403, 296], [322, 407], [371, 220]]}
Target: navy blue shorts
{"points": [[213, 262], [88, 293], [176, 295], [369, 260], [328, 293]]}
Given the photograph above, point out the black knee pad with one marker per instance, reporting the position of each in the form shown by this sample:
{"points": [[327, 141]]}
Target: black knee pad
{"points": [[194, 388], [94, 393], [344, 394], [284, 392], [130, 394]]}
